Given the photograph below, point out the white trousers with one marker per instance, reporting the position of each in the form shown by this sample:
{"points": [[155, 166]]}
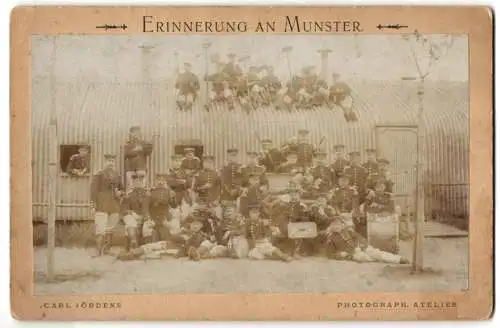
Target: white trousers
{"points": [[371, 254], [105, 223]]}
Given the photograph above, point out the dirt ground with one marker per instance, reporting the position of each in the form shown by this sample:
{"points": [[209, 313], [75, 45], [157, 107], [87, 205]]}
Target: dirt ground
{"points": [[79, 273]]}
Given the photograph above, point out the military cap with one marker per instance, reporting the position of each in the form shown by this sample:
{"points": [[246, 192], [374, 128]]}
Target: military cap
{"points": [[354, 153], [303, 131], [209, 157], [231, 55], [252, 153], [339, 146], [161, 175], [292, 188], [135, 128], [84, 147], [109, 156], [267, 141], [381, 181], [232, 151], [189, 150], [176, 156], [383, 161], [371, 150], [195, 217]]}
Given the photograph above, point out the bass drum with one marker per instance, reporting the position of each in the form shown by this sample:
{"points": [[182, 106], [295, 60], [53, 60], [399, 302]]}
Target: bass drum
{"points": [[383, 231]]}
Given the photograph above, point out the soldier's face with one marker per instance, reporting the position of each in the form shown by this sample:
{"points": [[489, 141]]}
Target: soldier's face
{"points": [[177, 163], [253, 181], [254, 214], [266, 146], [229, 212], [195, 226], [208, 164], [232, 158], [189, 155], [109, 163], [339, 152], [321, 201], [335, 226], [135, 135], [292, 159], [302, 137], [321, 160], [161, 181], [138, 183], [252, 160], [343, 182], [294, 196], [380, 187], [371, 156], [83, 151], [355, 159]]}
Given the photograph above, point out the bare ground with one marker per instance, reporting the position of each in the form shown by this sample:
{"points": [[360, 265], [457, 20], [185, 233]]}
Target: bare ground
{"points": [[78, 273]]}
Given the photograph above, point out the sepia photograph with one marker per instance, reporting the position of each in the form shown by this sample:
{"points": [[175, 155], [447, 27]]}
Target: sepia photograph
{"points": [[249, 163]]}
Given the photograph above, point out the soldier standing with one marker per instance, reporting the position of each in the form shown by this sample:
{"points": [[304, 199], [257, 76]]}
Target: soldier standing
{"points": [[270, 157], [178, 181], [305, 149], [136, 152], [136, 215], [323, 175], [254, 168], [187, 87], [231, 178], [105, 192], [384, 173], [190, 163], [207, 182], [160, 201], [357, 175], [78, 164], [372, 169], [340, 162], [345, 201], [252, 193]]}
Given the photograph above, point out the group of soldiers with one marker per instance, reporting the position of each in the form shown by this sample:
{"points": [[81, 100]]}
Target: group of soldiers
{"points": [[261, 88], [202, 212]]}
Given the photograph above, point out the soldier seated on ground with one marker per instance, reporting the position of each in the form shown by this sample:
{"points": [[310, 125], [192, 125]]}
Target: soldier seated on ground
{"points": [[231, 234], [379, 201], [78, 164], [197, 243], [343, 243], [259, 232]]}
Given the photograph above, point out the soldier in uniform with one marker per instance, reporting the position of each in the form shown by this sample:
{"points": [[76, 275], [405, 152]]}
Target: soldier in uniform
{"points": [[105, 193], [231, 233], [340, 162], [259, 232], [232, 71], [270, 157], [252, 193], [187, 87], [272, 85], [160, 201], [340, 95], [384, 173], [357, 174], [379, 201], [253, 167], [292, 210], [190, 163], [220, 88], [231, 178], [255, 86], [78, 164], [322, 214], [372, 168], [135, 207], [323, 175], [178, 181], [291, 166], [207, 182], [304, 93], [320, 93], [305, 149], [345, 200], [136, 152]]}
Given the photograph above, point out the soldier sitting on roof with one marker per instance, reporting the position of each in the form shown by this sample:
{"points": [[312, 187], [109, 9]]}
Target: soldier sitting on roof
{"points": [[220, 93], [340, 95], [187, 87], [272, 85]]}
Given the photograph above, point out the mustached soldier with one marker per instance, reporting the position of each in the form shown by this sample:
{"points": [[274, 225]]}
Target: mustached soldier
{"points": [[136, 152], [160, 201], [105, 193], [340, 162], [78, 164], [270, 157]]}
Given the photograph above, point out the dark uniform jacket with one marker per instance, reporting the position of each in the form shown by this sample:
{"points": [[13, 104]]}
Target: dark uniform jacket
{"points": [[380, 203], [160, 201], [357, 177], [232, 179], [191, 164], [78, 162], [345, 241], [338, 92], [187, 83], [271, 160], [255, 230], [136, 159], [235, 226], [325, 174], [345, 200], [322, 216], [252, 196], [232, 72], [207, 184], [137, 201], [339, 166], [195, 239], [272, 84], [217, 80], [305, 152], [290, 212], [177, 180], [291, 168], [103, 191]]}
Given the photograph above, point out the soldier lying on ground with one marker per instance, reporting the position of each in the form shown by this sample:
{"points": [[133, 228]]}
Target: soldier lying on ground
{"points": [[343, 243]]}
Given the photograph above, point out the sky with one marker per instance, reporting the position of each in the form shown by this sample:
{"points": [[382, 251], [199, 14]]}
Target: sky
{"points": [[371, 57]]}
